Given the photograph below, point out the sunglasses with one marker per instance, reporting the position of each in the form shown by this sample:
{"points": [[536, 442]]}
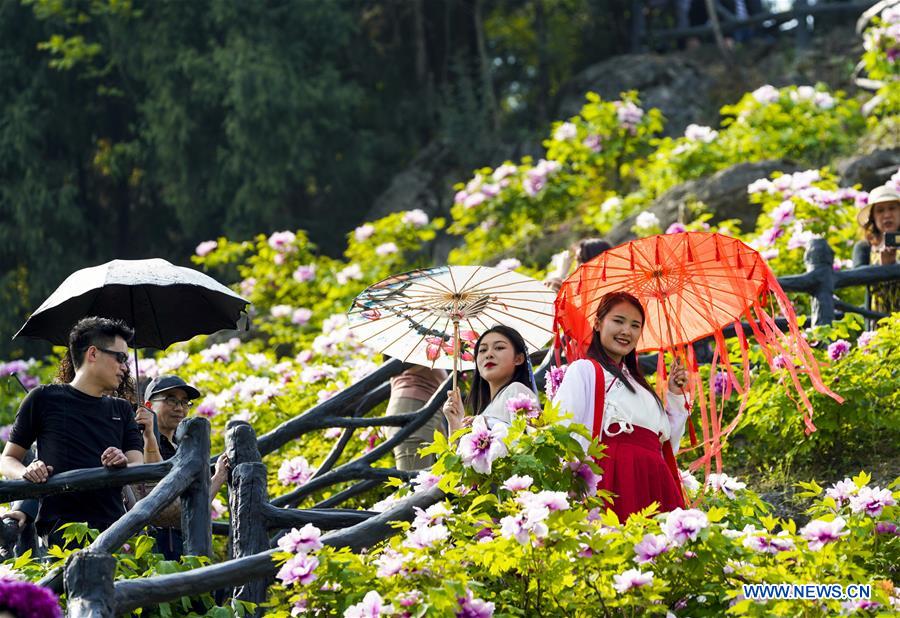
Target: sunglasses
{"points": [[121, 357]]}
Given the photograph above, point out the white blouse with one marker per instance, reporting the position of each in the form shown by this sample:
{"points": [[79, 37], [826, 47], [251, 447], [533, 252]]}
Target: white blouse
{"points": [[576, 397], [496, 410]]}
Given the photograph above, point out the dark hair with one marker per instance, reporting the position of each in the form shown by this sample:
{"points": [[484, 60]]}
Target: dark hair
{"points": [[598, 352], [480, 394], [589, 248], [65, 373], [94, 331], [873, 234]]}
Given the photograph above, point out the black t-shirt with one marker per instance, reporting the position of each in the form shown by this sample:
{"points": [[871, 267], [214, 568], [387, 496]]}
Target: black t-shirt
{"points": [[72, 430], [166, 449]]}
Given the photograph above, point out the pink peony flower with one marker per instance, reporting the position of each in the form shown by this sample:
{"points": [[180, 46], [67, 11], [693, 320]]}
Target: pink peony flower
{"points": [[387, 248], [391, 562], [886, 527], [364, 232], [865, 339], [517, 483], [593, 142], [247, 286], [783, 214], [632, 578], [699, 133], [296, 471], [206, 247], [425, 480], [724, 483], [683, 525], [586, 475], [509, 264], [480, 447], [871, 501], [305, 273], [298, 570], [554, 378], [301, 316], [415, 217], [819, 532], [546, 499], [565, 132], [687, 479], [281, 311], [523, 405], [471, 607], [521, 526], [841, 491], [425, 537], [409, 599], [763, 185], [676, 228], [350, 273], [839, 349], [301, 541], [283, 242], [766, 94], [651, 546], [504, 171], [629, 115], [372, 606], [476, 199], [431, 516], [765, 544]]}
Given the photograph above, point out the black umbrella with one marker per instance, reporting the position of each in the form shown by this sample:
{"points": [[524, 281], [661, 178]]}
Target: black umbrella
{"points": [[164, 303]]}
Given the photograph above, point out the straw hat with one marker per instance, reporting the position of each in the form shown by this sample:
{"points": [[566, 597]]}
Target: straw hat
{"points": [[879, 195]]}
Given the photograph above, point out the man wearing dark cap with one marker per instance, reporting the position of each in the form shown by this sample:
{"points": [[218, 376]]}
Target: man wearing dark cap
{"points": [[170, 398]]}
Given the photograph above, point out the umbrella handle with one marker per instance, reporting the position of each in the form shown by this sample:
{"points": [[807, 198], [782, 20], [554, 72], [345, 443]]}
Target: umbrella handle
{"points": [[137, 378], [455, 351]]}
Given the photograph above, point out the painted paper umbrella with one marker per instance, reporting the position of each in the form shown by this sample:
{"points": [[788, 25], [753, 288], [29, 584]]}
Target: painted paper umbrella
{"points": [[694, 286], [432, 317]]}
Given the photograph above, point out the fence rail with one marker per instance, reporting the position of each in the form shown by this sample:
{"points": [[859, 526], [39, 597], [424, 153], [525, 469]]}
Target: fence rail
{"points": [[88, 575]]}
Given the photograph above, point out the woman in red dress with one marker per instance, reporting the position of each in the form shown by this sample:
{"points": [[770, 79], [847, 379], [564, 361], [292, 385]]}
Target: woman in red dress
{"points": [[608, 394]]}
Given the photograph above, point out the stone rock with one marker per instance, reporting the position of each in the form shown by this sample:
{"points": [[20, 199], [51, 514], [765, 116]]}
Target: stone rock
{"points": [[675, 85], [724, 193], [419, 185], [869, 170]]}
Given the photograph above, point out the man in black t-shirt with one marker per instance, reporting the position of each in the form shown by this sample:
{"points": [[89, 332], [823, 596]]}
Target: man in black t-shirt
{"points": [[76, 426]]}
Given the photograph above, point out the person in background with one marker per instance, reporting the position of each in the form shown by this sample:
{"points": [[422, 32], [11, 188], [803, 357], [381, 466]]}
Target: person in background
{"points": [[583, 251], [170, 398], [879, 218], [410, 390], [76, 426]]}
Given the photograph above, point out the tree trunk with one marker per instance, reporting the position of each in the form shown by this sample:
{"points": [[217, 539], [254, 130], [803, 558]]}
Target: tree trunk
{"points": [[543, 77], [487, 83]]}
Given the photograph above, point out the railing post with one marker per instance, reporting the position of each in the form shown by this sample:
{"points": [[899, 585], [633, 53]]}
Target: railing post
{"points": [[247, 499], [819, 259], [240, 443], [89, 585], [196, 521]]}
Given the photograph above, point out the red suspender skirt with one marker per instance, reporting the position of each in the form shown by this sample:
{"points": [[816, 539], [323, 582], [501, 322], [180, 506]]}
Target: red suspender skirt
{"points": [[636, 468]]}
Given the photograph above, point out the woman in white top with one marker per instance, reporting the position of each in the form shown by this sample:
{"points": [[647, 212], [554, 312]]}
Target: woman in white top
{"points": [[608, 394], [502, 371]]}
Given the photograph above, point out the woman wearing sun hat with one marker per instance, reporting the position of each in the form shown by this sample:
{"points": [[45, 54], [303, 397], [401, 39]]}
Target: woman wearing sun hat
{"points": [[880, 217]]}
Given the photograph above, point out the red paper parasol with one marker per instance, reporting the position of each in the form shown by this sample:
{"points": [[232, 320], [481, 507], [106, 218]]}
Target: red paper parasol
{"points": [[692, 286]]}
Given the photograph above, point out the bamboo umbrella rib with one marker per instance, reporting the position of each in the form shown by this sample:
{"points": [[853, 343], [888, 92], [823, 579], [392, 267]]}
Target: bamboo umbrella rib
{"points": [[469, 280], [390, 326], [527, 340], [528, 309]]}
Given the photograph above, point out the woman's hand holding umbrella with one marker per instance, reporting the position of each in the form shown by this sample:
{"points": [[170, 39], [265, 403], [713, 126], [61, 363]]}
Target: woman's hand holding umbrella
{"points": [[678, 378], [454, 411]]}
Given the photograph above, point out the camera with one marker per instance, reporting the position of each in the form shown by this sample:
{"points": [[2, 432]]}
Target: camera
{"points": [[890, 239]]}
